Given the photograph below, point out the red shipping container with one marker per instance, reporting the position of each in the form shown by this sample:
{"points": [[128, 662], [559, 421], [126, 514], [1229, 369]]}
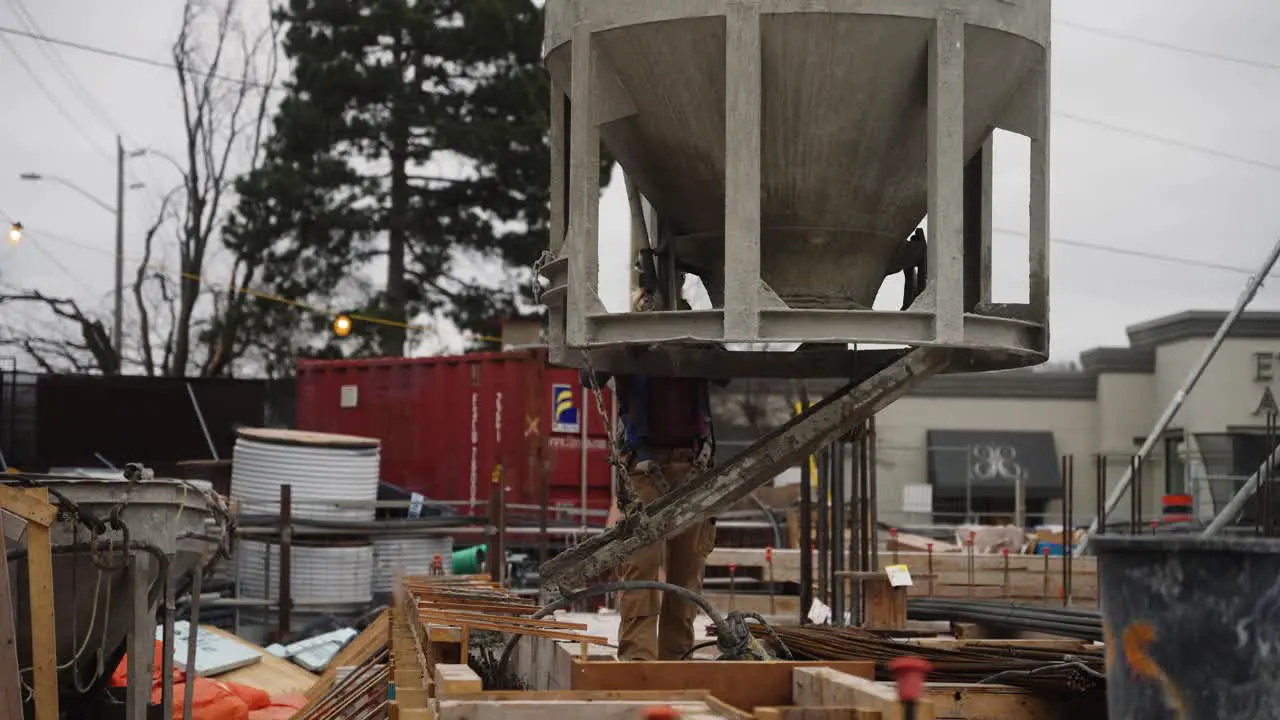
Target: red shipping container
{"points": [[451, 426]]}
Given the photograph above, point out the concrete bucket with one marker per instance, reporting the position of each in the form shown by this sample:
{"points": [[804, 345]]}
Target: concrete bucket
{"points": [[789, 148]]}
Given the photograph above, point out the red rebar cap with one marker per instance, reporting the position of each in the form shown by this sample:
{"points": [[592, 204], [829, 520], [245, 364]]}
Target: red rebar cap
{"points": [[662, 712], [909, 674], [733, 567], [768, 554]]}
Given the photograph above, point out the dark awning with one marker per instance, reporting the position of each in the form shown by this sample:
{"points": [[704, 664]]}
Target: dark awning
{"points": [[988, 462]]}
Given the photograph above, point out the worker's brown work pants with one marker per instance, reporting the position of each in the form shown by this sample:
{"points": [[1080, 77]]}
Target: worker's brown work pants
{"points": [[656, 625]]}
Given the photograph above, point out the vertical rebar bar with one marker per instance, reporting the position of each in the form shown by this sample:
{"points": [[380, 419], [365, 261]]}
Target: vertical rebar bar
{"points": [[1138, 481], [856, 525], [869, 495], [837, 531], [1133, 495], [1068, 548], [805, 545], [824, 528], [1066, 523], [1100, 477]]}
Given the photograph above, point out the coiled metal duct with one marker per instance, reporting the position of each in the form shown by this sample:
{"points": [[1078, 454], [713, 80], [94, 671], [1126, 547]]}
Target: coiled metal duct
{"points": [[410, 556], [333, 477], [337, 576]]}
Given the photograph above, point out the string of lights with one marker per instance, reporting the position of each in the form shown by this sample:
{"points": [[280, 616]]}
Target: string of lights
{"points": [[343, 322]]}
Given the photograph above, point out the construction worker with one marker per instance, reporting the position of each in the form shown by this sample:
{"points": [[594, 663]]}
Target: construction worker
{"points": [[665, 438]]}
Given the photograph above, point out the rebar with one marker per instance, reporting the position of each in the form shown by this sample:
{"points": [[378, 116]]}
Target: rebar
{"points": [[1039, 669]]}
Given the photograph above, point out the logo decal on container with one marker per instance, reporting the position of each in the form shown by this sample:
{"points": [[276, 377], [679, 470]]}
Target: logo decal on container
{"points": [[564, 411]]}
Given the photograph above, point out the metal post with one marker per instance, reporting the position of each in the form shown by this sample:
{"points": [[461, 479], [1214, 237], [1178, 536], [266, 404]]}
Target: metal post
{"points": [[166, 646], [1020, 501], [1251, 290], [204, 428], [193, 633], [284, 621], [142, 637], [117, 325]]}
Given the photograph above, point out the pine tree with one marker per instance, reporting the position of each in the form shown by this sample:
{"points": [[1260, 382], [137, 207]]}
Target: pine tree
{"points": [[389, 100]]}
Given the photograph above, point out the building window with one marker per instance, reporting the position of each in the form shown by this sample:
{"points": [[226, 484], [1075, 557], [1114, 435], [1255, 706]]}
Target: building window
{"points": [[1175, 466]]}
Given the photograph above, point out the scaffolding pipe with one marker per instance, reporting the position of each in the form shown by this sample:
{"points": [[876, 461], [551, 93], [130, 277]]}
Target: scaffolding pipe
{"points": [[1233, 508], [1250, 291]]}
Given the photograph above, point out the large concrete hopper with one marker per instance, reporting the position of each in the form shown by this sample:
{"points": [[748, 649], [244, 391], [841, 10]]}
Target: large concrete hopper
{"points": [[790, 148]]}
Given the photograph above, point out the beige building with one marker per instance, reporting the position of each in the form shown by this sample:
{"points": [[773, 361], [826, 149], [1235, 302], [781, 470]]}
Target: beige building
{"points": [[957, 446]]}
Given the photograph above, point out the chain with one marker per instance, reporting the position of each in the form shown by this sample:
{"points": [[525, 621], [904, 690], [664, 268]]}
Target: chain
{"points": [[626, 493], [535, 291]]}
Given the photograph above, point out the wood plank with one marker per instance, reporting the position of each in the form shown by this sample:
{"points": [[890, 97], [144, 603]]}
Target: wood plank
{"points": [[824, 686], [30, 504], [272, 674], [44, 641], [992, 702], [10, 688], [568, 710], [816, 713], [453, 680], [743, 685]]}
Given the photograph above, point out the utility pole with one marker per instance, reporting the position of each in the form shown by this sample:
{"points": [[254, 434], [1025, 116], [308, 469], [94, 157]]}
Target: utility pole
{"points": [[117, 326]]}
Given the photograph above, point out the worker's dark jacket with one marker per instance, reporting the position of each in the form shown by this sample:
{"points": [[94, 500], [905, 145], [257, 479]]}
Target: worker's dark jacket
{"points": [[660, 413]]}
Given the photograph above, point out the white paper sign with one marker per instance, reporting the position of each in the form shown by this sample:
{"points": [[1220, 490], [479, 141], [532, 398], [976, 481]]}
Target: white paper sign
{"points": [[819, 613], [899, 575]]}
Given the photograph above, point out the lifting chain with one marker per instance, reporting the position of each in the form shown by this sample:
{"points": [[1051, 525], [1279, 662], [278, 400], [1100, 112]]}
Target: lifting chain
{"points": [[627, 500], [535, 289]]}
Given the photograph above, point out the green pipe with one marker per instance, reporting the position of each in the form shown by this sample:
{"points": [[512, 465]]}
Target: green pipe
{"points": [[469, 561]]}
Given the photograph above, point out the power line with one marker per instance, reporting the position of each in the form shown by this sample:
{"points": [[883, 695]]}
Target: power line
{"points": [[1169, 46], [60, 66], [1142, 254], [78, 88], [1169, 141], [164, 64], [53, 98], [42, 37]]}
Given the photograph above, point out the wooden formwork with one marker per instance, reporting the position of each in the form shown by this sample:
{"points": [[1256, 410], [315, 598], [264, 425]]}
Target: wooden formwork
{"points": [[796, 691], [431, 619]]}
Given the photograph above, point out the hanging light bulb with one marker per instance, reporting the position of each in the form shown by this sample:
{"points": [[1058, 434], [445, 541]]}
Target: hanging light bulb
{"points": [[15, 233], [342, 326]]}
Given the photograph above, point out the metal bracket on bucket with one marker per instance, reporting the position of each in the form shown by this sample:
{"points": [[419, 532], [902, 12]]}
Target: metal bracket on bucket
{"points": [[720, 487]]}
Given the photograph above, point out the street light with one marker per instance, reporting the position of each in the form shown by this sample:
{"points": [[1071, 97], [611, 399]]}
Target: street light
{"points": [[118, 211], [15, 233]]}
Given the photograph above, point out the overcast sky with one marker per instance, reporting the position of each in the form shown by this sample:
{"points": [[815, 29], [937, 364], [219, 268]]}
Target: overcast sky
{"points": [[1110, 186]]}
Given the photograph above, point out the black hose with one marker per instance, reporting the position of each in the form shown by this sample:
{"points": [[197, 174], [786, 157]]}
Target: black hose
{"points": [[696, 648], [724, 633]]}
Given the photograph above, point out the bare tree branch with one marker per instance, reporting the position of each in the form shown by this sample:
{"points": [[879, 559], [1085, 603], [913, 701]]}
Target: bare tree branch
{"points": [[96, 340]]}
